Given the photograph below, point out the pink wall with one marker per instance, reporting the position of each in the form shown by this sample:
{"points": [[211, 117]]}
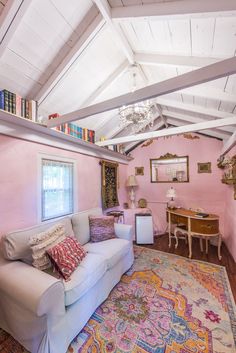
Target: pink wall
{"points": [[203, 190], [19, 189], [230, 215]]}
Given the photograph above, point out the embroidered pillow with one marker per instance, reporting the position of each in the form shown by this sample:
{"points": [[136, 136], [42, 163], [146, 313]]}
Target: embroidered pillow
{"points": [[101, 228], [66, 256], [41, 242]]}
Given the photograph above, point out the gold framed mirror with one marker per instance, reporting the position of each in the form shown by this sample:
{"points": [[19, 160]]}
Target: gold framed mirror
{"points": [[169, 168]]}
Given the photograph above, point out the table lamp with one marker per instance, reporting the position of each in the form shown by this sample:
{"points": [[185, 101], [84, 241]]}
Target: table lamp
{"points": [[132, 183], [171, 193]]}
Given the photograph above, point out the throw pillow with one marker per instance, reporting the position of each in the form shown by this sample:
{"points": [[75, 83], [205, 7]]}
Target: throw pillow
{"points": [[101, 228], [41, 242], [66, 256]]}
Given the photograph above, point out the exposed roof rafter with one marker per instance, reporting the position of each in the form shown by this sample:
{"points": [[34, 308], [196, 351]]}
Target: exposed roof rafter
{"points": [[174, 60], [205, 74], [170, 8], [171, 131]]}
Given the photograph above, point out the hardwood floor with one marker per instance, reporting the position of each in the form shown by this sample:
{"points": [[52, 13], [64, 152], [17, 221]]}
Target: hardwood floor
{"points": [[161, 243]]}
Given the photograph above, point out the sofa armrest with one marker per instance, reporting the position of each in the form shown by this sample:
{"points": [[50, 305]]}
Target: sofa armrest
{"points": [[123, 231], [31, 288]]}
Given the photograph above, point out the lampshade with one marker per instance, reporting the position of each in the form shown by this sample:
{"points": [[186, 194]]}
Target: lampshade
{"points": [[171, 192], [131, 181]]}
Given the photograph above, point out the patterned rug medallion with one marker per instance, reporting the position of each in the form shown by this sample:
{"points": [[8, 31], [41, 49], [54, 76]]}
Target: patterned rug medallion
{"points": [[164, 304]]}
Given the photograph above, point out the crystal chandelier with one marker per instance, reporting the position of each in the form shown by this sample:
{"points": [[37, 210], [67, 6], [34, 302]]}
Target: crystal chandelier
{"points": [[138, 115]]}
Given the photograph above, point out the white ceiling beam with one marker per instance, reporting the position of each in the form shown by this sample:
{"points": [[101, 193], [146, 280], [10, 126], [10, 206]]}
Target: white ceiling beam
{"points": [[10, 19], [209, 93], [194, 108], [212, 72], [173, 60], [211, 133], [170, 8], [105, 10], [171, 131], [106, 84], [230, 143], [192, 119], [85, 38]]}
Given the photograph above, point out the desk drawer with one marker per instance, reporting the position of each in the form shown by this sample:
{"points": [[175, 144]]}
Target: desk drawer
{"points": [[176, 219], [204, 226]]}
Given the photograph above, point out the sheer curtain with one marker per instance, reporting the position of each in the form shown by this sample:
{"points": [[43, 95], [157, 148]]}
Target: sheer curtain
{"points": [[57, 189]]}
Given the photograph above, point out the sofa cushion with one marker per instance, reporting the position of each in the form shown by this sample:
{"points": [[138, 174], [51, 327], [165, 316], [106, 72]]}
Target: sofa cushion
{"points": [[90, 270], [101, 228], [39, 244], [111, 250], [66, 256], [15, 245], [80, 223]]}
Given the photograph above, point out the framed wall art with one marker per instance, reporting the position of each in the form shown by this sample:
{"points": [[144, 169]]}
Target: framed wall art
{"points": [[204, 167], [139, 170]]}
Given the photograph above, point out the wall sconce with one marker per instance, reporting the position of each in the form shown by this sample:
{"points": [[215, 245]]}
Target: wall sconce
{"points": [[132, 183]]}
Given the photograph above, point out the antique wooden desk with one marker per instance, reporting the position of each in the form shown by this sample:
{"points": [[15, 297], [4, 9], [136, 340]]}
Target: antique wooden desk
{"points": [[195, 226]]}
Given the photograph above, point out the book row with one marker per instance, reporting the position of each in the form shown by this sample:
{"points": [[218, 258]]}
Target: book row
{"points": [[74, 130], [15, 104]]}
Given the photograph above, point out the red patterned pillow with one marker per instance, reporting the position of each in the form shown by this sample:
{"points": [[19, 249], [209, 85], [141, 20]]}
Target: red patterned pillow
{"points": [[66, 256], [101, 228]]}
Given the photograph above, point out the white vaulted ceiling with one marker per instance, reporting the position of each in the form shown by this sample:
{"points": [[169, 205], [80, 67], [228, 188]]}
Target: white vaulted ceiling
{"points": [[71, 54]]}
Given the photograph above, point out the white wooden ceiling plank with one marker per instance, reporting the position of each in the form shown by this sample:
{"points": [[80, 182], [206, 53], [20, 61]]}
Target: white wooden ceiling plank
{"points": [[85, 38], [10, 19], [131, 2], [212, 104], [23, 66], [53, 32], [26, 81], [202, 36], [74, 11], [12, 85], [230, 143], [106, 84], [230, 86], [176, 29], [224, 43], [193, 119], [171, 131], [193, 108], [210, 93], [171, 8], [208, 73], [227, 107]]}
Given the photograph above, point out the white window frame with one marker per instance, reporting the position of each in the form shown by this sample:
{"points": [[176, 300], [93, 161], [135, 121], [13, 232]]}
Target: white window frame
{"points": [[62, 159]]}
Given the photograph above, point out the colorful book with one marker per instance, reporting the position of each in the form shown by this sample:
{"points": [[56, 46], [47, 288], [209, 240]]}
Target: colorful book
{"points": [[2, 100]]}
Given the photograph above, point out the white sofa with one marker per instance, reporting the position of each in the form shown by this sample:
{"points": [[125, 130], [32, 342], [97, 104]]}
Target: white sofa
{"points": [[44, 313]]}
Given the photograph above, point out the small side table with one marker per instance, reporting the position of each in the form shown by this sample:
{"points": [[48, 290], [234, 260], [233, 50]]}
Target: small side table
{"points": [[118, 215]]}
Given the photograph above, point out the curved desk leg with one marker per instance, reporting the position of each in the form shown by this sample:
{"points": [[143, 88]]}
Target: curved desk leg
{"points": [[169, 228], [206, 245], [190, 245], [219, 246], [201, 244]]}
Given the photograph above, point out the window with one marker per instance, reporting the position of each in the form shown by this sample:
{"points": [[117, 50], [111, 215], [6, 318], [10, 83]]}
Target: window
{"points": [[56, 189]]}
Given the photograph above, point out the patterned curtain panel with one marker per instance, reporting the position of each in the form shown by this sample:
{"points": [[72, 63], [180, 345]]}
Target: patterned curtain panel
{"points": [[109, 184]]}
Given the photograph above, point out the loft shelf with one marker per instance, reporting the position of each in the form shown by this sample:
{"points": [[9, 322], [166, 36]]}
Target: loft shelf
{"points": [[18, 127]]}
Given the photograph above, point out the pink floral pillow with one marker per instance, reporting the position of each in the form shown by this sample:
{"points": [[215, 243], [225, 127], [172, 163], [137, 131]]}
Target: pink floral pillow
{"points": [[66, 256], [101, 228]]}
